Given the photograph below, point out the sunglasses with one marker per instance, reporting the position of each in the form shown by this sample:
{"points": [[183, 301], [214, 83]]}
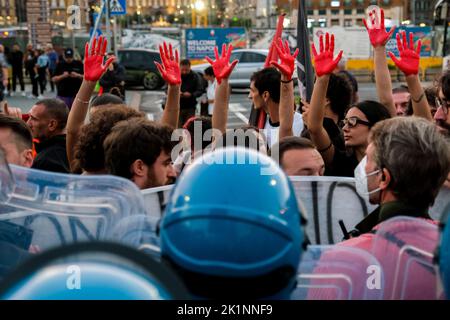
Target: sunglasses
{"points": [[354, 121], [442, 103]]}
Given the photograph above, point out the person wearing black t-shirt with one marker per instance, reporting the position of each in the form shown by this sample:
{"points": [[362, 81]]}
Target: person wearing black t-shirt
{"points": [[68, 77], [338, 97]]}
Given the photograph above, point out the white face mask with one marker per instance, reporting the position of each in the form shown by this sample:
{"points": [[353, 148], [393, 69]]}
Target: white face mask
{"points": [[361, 179]]}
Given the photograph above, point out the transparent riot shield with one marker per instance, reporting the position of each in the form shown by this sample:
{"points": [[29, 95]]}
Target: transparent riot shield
{"points": [[405, 247], [94, 270], [53, 209], [338, 273]]}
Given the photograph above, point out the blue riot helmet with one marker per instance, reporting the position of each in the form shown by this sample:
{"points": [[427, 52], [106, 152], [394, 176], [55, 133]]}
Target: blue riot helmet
{"points": [[232, 227], [443, 256], [92, 271]]}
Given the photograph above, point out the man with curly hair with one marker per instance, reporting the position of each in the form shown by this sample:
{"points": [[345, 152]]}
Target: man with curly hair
{"points": [[140, 150], [89, 154]]}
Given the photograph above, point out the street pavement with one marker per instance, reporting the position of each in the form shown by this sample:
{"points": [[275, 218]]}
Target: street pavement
{"points": [[151, 102]]}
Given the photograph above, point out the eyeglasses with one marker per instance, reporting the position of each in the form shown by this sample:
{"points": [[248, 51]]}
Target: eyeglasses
{"points": [[354, 121], [442, 103]]}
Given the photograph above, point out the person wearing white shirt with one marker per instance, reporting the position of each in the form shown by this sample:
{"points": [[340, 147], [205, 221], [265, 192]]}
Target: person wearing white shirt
{"points": [[265, 94], [211, 90]]}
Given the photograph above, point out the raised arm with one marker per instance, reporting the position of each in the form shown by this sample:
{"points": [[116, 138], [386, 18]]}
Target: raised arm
{"points": [[170, 71], [378, 38], [222, 69], [324, 65], [93, 70], [409, 65], [286, 67]]}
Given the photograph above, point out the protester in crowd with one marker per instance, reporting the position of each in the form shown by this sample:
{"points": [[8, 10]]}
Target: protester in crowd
{"points": [[338, 99], [48, 118], [265, 95], [408, 63], [286, 114], [68, 77], [89, 157], [113, 80], [442, 117], [402, 98], [17, 69], [30, 61], [407, 163], [3, 72], [16, 141], [42, 70], [52, 63], [211, 89], [191, 89], [94, 67], [298, 157], [357, 123], [147, 160]]}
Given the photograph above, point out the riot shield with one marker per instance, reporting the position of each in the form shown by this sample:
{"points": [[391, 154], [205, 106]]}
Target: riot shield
{"points": [[56, 209], [405, 247], [337, 273]]}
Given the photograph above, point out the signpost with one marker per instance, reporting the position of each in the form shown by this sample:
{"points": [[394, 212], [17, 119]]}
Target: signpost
{"points": [[110, 8], [117, 7]]}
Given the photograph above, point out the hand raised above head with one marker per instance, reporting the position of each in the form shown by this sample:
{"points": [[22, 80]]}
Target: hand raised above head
{"points": [[170, 68], [409, 57], [323, 61], [287, 65], [221, 66], [377, 32], [93, 59]]}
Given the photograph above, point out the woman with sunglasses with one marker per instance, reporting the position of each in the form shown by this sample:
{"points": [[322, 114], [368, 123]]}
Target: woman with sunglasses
{"points": [[357, 124]]}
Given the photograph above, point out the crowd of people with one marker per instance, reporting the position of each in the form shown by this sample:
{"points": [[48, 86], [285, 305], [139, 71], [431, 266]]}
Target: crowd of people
{"points": [[396, 148]]}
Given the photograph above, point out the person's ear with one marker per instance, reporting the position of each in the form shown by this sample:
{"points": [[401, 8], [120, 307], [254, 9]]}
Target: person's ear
{"points": [[266, 96], [52, 125], [27, 158], [138, 168], [385, 179]]}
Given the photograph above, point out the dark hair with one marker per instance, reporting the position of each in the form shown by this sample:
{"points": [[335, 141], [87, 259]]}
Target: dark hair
{"points": [[206, 124], [133, 139], [340, 94], [57, 110], [444, 84], [374, 111], [89, 149], [209, 71], [268, 79], [185, 62], [240, 137], [23, 138], [106, 99], [291, 143], [430, 93], [401, 89]]}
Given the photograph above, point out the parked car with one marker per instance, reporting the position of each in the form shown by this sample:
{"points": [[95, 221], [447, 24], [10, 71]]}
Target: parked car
{"points": [[250, 61], [140, 68]]}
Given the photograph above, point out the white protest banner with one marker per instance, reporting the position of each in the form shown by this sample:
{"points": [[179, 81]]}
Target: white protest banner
{"points": [[325, 200]]}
